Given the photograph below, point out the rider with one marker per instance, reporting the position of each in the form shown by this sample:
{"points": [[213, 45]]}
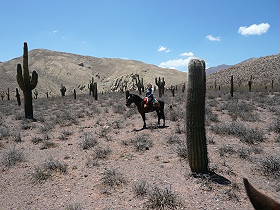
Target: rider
{"points": [[149, 95]]}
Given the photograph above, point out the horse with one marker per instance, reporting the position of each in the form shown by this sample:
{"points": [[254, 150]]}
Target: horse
{"points": [[259, 200], [139, 102]]}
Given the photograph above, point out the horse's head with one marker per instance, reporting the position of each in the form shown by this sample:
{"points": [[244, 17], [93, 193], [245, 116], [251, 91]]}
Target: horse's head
{"points": [[129, 98]]}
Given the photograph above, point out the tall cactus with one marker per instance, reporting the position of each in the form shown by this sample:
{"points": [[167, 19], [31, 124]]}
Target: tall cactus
{"points": [[62, 90], [18, 97], [8, 94], [26, 83], [160, 83], [231, 86], [250, 83], [140, 84], [195, 117]]}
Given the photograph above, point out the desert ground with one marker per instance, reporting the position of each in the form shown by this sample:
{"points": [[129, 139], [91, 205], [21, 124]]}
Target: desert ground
{"points": [[91, 155]]}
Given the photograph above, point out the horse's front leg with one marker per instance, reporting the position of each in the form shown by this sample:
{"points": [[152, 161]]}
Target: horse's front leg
{"points": [[144, 120]]}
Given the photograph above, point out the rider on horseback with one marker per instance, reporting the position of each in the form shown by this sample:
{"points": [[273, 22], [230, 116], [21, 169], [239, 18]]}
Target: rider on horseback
{"points": [[149, 96]]}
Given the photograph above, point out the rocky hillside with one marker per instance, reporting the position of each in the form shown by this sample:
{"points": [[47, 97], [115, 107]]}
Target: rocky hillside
{"points": [[75, 71], [212, 70], [263, 70]]}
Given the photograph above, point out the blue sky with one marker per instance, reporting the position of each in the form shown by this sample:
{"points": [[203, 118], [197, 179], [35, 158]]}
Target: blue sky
{"points": [[161, 32]]}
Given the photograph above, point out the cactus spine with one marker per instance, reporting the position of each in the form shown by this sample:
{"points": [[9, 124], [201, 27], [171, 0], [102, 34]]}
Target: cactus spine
{"points": [[18, 97], [26, 83], [231, 86], [195, 117], [160, 83]]}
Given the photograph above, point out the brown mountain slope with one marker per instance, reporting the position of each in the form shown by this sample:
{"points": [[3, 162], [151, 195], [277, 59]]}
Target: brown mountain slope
{"points": [[73, 71], [262, 69]]}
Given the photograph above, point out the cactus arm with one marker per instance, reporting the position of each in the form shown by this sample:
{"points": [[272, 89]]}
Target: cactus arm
{"points": [[20, 79], [34, 80]]}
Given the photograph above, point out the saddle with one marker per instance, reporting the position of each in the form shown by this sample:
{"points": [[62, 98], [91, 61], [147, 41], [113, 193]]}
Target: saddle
{"points": [[148, 102]]}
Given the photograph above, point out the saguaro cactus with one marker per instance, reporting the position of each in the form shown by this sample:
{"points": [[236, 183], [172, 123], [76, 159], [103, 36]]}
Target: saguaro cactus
{"points": [[140, 84], [250, 83], [195, 117], [63, 90], [231, 86], [160, 83], [2, 95], [8, 94], [95, 93], [172, 88], [183, 88], [74, 94], [18, 97], [26, 83]]}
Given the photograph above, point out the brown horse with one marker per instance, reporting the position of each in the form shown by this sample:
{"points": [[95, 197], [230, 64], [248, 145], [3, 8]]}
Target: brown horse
{"points": [[139, 102], [258, 199]]}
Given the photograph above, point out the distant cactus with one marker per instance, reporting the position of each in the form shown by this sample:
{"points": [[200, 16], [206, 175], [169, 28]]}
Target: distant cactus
{"points": [[63, 90], [8, 94], [74, 94], [195, 117], [160, 83], [2, 95], [35, 94], [272, 85], [183, 88], [47, 94], [215, 84], [139, 84], [26, 83], [231, 86], [250, 83], [18, 97], [95, 93], [172, 88]]}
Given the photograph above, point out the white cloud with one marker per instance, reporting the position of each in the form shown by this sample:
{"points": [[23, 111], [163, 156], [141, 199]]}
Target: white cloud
{"points": [[213, 38], [54, 31], [163, 49], [254, 29], [175, 63], [187, 54]]}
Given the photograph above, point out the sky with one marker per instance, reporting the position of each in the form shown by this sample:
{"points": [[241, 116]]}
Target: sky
{"points": [[167, 33]]}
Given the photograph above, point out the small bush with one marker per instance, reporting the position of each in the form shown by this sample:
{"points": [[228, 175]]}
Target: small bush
{"points": [[182, 151], [75, 206], [48, 144], [40, 175], [174, 139], [37, 140], [4, 132], [270, 166], [12, 157], [163, 199], [275, 126], [88, 142], [246, 135], [244, 153], [142, 143], [54, 165], [141, 188], [102, 153], [226, 149], [112, 178]]}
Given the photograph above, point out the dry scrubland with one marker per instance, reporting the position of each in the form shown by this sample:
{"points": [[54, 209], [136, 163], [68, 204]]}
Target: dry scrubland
{"points": [[87, 155]]}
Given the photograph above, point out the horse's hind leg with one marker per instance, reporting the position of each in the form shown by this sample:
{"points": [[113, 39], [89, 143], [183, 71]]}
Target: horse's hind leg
{"points": [[163, 117], [144, 119], [158, 115]]}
